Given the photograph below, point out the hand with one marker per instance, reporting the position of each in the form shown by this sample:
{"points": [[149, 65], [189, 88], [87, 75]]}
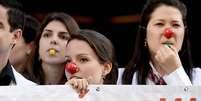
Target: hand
{"points": [[168, 59], [79, 84]]}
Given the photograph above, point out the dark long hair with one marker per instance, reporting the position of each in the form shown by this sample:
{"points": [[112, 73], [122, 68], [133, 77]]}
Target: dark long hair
{"points": [[31, 29], [70, 24], [141, 56], [103, 48]]}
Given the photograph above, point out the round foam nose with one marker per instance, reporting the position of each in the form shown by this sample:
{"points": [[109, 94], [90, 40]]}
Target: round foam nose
{"points": [[71, 68], [168, 33]]}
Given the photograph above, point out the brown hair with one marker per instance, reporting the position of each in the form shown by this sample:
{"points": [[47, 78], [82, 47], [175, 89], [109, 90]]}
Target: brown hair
{"points": [[103, 48]]}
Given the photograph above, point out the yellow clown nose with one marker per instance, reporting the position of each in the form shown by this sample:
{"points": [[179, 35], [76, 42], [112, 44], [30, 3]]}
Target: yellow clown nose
{"points": [[52, 52]]}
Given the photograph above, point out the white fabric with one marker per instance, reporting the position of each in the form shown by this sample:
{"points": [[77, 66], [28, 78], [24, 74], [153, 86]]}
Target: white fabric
{"points": [[100, 93], [178, 77], [120, 74], [196, 73], [20, 80]]}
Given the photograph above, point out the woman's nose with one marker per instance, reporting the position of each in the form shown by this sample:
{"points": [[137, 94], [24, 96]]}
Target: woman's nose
{"points": [[71, 68], [54, 42], [168, 33]]}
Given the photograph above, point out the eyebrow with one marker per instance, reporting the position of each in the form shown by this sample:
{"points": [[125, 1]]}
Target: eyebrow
{"points": [[63, 32], [83, 54], [79, 54], [175, 21], [159, 20], [48, 30]]}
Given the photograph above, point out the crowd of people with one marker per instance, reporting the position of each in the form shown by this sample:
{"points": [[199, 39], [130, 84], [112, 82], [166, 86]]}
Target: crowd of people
{"points": [[57, 51]]}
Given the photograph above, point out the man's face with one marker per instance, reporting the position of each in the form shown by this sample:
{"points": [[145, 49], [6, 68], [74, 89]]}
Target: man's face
{"points": [[5, 34]]}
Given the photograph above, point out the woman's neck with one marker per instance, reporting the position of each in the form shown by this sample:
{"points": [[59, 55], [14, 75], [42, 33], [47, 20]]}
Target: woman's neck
{"points": [[19, 67], [54, 74]]}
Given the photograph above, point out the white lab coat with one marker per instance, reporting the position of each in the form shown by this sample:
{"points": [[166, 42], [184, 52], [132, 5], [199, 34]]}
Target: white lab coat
{"points": [[20, 80], [178, 77]]}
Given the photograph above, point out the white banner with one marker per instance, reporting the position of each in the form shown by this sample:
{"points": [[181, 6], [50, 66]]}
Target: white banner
{"points": [[101, 93]]}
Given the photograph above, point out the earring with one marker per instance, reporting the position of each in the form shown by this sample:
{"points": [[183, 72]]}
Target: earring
{"points": [[145, 43], [103, 77], [39, 59], [28, 52], [12, 45]]}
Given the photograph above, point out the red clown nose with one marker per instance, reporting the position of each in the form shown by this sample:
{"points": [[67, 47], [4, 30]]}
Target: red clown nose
{"points": [[71, 68], [168, 33]]}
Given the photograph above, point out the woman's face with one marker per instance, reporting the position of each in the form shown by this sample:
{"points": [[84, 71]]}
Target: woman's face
{"points": [[165, 17], [54, 38], [80, 53]]}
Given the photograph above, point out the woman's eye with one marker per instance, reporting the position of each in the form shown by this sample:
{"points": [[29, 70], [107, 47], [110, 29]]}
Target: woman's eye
{"points": [[176, 25], [159, 24], [46, 35], [83, 60], [64, 37]]}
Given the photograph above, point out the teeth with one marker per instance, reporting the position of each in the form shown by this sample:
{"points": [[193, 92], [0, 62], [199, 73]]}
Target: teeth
{"points": [[52, 52]]}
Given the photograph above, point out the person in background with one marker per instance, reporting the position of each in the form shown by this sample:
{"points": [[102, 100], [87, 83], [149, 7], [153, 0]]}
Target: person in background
{"points": [[49, 56], [11, 26], [20, 56], [94, 57], [162, 53]]}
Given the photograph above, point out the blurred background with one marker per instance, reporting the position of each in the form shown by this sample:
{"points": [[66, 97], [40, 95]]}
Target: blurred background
{"points": [[118, 20]]}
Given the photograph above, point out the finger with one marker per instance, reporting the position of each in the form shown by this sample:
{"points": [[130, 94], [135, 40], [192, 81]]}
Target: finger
{"points": [[80, 85], [171, 51], [174, 49], [85, 84], [168, 51], [74, 83], [163, 51]]}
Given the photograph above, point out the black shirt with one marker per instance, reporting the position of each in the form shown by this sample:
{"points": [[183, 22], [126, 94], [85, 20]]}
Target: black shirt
{"points": [[6, 75]]}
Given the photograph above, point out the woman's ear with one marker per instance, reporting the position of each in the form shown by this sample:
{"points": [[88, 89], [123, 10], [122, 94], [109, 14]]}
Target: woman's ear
{"points": [[17, 34], [29, 47], [107, 68]]}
